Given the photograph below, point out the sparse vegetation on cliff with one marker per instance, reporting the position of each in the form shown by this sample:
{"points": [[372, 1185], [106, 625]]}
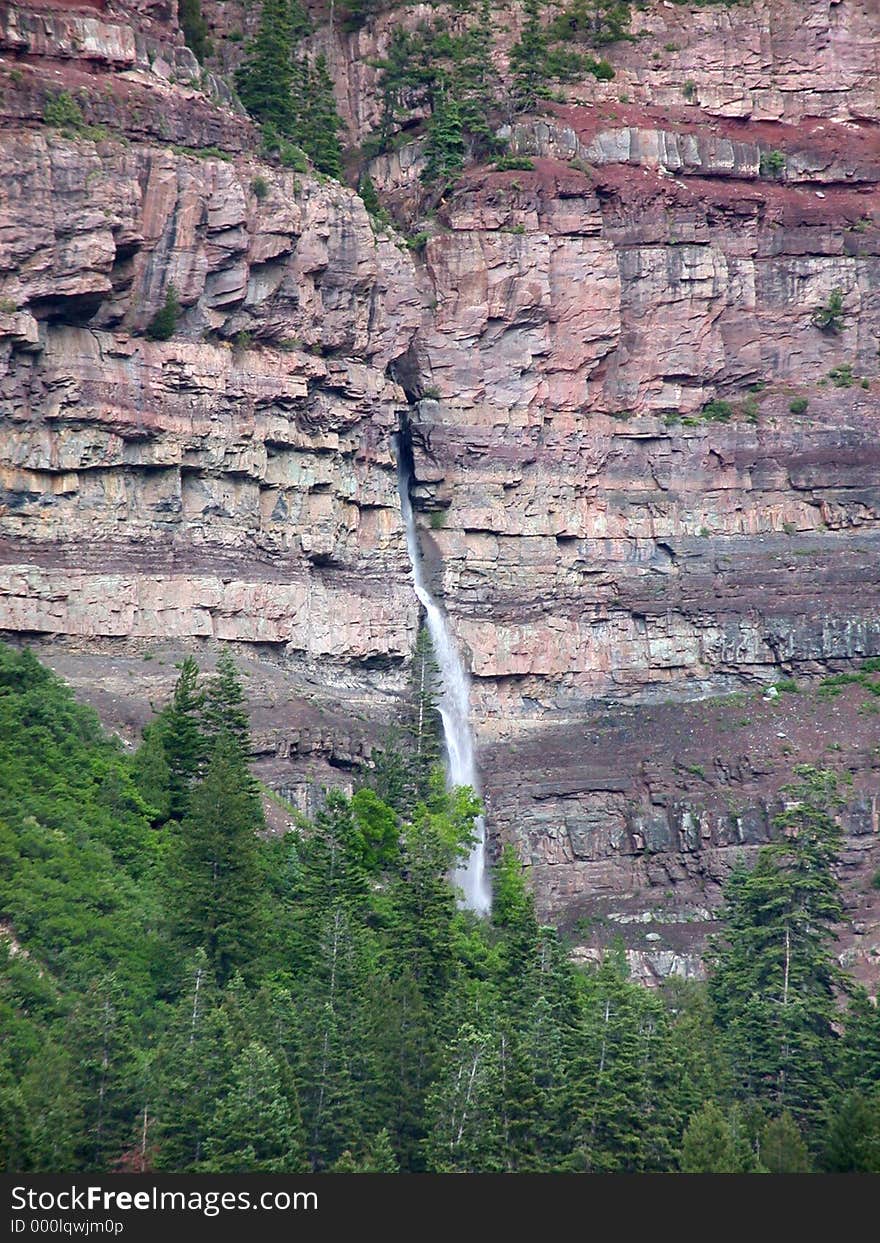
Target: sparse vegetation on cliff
{"points": [[830, 316], [195, 28], [290, 93], [161, 327], [451, 80]]}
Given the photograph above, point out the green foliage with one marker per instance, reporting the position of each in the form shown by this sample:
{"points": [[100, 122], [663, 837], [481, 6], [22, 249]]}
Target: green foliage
{"points": [[259, 188], [852, 1142], [194, 996], [367, 191], [64, 112], [798, 405], [511, 163], [717, 411], [708, 1145], [774, 980], [445, 147], [178, 728], [288, 93], [527, 59], [596, 22], [842, 376], [403, 773], [783, 1150], [830, 316], [830, 688], [161, 327], [216, 874], [194, 27], [256, 1127], [772, 163]]}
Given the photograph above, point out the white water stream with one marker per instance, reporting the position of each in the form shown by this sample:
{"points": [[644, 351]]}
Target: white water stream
{"points": [[453, 705]]}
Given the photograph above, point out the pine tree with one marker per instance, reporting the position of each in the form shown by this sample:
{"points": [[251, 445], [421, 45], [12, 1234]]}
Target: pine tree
{"points": [[476, 86], [593, 21], [852, 1140], [421, 723], [179, 728], [708, 1147], [266, 75], [527, 61], [513, 912], [773, 985], [783, 1150], [194, 27], [217, 878], [320, 123], [628, 1084], [161, 327], [463, 1108], [444, 150], [860, 1047], [152, 773], [224, 709], [103, 1036], [291, 96], [190, 1067], [256, 1128]]}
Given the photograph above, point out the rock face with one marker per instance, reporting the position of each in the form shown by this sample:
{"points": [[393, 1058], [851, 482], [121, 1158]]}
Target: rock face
{"points": [[237, 481], [654, 481]]}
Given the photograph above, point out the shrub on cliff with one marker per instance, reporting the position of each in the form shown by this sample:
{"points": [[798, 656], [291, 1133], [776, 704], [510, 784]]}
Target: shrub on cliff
{"points": [[64, 112], [593, 21], [161, 327], [830, 316]]}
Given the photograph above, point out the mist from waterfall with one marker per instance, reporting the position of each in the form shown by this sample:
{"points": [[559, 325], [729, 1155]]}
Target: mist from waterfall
{"points": [[453, 703]]}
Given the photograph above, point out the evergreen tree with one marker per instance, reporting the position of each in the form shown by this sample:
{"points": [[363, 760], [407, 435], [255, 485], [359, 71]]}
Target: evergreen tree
{"points": [[513, 912], [445, 146], [320, 122], [527, 59], [852, 1141], [291, 96], [783, 1150], [860, 1047], [256, 1128], [628, 1084], [476, 86], [217, 876], [161, 327], [194, 27], [421, 723], [708, 1147], [152, 773], [266, 75], [104, 1037], [190, 1068], [773, 987], [593, 21], [224, 708], [179, 729]]}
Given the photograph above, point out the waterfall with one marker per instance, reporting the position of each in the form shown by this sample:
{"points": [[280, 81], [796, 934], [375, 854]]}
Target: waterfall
{"points": [[453, 703]]}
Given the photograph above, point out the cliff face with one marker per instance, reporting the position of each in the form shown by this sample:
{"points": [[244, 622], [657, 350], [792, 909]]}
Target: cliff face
{"points": [[626, 574], [237, 481]]}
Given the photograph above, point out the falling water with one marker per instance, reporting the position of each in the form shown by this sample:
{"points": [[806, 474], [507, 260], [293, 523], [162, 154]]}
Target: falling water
{"points": [[454, 706]]}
